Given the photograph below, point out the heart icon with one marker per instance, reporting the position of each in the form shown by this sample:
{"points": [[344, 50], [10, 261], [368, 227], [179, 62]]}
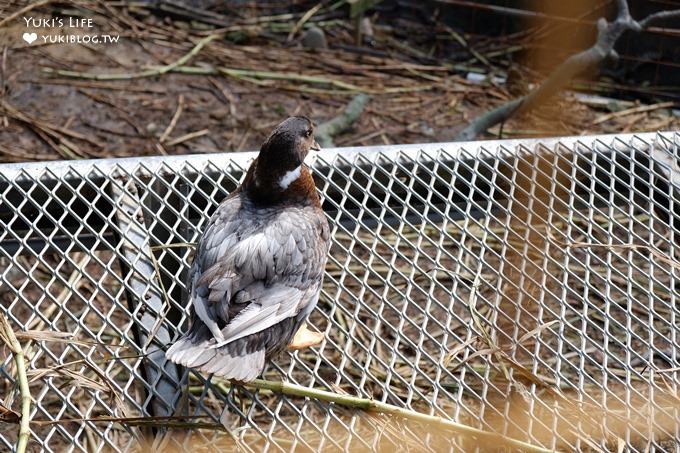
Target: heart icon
{"points": [[30, 37]]}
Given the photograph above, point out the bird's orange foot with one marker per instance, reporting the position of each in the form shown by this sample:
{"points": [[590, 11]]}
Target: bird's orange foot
{"points": [[305, 338]]}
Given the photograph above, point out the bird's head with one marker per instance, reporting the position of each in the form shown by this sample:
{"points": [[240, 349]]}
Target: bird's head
{"points": [[279, 167], [289, 143]]}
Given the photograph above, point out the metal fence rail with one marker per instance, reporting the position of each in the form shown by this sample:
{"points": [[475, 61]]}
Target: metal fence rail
{"points": [[522, 287]]}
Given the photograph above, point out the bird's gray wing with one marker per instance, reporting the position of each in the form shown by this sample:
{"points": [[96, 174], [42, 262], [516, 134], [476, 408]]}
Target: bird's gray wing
{"points": [[269, 306], [219, 236], [257, 270]]}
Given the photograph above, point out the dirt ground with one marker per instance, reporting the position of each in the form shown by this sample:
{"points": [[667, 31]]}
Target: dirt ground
{"points": [[58, 100]]}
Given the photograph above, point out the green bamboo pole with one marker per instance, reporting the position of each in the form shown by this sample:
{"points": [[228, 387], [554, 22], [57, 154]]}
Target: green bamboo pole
{"points": [[8, 337], [160, 70], [370, 405]]}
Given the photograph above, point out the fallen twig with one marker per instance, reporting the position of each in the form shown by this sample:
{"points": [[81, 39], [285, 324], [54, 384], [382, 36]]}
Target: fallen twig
{"points": [[173, 121], [10, 340], [189, 136], [640, 109], [228, 97], [155, 71]]}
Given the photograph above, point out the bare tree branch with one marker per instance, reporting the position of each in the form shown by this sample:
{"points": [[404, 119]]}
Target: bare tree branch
{"points": [[588, 60], [658, 17], [622, 5], [326, 131]]}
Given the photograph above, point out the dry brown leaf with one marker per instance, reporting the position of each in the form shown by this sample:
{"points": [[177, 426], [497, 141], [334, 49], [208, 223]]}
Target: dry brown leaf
{"points": [[56, 337], [7, 415], [65, 373]]}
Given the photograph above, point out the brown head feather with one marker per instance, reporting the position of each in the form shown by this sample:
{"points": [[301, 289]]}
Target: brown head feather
{"points": [[281, 154]]}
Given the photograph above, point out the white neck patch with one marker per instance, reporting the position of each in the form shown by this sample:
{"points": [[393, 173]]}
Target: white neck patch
{"points": [[289, 177]]}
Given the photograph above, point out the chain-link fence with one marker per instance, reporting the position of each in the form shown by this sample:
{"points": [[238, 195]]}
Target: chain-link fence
{"points": [[522, 287]]}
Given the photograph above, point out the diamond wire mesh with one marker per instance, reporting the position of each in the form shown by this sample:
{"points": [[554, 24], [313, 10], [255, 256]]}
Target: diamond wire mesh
{"points": [[526, 288]]}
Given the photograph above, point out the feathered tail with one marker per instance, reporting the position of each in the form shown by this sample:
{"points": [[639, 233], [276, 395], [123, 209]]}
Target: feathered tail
{"points": [[194, 350]]}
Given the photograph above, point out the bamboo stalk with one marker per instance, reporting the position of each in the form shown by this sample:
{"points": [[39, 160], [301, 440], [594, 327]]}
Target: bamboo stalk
{"points": [[8, 337], [160, 70], [289, 76], [370, 405], [261, 78]]}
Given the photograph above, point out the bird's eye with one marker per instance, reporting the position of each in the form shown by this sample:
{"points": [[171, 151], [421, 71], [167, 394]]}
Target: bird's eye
{"points": [[308, 133]]}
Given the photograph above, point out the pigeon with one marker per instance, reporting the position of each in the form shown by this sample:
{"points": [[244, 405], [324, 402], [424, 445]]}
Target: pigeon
{"points": [[258, 267]]}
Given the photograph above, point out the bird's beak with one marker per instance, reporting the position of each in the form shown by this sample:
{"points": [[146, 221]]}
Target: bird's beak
{"points": [[315, 146]]}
